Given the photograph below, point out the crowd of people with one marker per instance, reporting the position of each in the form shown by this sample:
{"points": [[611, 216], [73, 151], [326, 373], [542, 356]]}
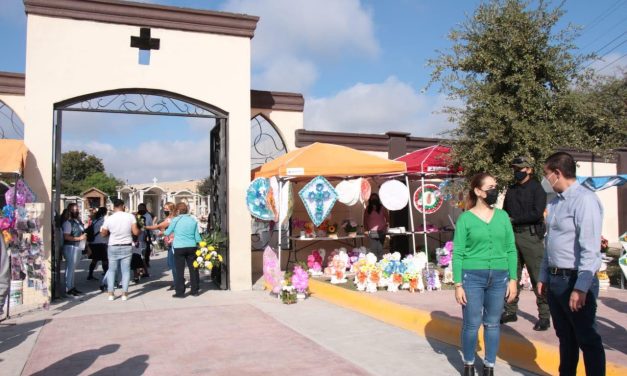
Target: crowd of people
{"points": [[122, 242]]}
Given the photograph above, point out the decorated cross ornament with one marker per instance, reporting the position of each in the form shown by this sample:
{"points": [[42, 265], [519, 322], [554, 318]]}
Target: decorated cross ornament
{"points": [[319, 197]]}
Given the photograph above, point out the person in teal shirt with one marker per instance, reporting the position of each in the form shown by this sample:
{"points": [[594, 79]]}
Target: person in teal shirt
{"points": [[186, 237], [484, 270]]}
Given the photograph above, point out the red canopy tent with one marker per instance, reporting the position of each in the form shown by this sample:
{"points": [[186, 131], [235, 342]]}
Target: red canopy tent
{"points": [[434, 160], [431, 161]]}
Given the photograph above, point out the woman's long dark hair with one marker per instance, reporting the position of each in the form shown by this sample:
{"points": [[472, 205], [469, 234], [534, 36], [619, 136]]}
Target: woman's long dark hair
{"points": [[475, 182], [376, 205], [100, 212]]}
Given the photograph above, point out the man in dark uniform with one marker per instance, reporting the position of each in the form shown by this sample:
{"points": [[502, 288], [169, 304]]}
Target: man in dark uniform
{"points": [[525, 202]]}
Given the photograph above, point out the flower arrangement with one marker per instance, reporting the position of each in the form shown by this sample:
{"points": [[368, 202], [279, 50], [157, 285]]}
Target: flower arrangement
{"points": [[332, 230], [207, 256], [140, 221], [309, 229], [294, 283], [414, 266], [337, 268], [300, 281], [350, 227], [314, 262], [445, 254]]}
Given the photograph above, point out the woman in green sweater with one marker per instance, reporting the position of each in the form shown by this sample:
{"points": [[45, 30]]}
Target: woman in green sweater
{"points": [[484, 270]]}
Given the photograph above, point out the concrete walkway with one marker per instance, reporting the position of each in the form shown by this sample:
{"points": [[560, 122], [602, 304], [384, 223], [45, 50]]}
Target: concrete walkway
{"points": [[217, 333]]}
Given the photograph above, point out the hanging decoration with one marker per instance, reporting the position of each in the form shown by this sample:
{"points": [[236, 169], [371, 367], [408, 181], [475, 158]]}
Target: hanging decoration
{"points": [[257, 199], [24, 194], [366, 190], [394, 195], [287, 201], [273, 198], [348, 192], [432, 198], [319, 197]]}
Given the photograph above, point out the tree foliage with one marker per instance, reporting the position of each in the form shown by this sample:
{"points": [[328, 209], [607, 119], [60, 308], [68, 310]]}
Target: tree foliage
{"points": [[514, 74], [204, 187], [81, 171]]}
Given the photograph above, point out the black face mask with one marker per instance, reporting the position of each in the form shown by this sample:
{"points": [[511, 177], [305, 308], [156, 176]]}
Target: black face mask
{"points": [[520, 175], [492, 196], [141, 212], [166, 213], [74, 214]]}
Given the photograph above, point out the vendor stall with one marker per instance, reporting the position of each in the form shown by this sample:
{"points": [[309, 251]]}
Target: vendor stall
{"points": [[315, 164], [22, 264], [426, 164]]}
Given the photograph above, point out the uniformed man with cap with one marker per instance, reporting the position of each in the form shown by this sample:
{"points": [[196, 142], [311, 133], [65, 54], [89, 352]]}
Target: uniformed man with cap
{"points": [[525, 202]]}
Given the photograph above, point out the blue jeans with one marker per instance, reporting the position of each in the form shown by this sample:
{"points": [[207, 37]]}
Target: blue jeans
{"points": [[576, 330], [71, 255], [171, 262], [119, 255], [485, 295]]}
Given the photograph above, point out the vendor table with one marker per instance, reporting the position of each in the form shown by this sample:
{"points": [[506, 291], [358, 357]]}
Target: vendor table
{"points": [[346, 240]]}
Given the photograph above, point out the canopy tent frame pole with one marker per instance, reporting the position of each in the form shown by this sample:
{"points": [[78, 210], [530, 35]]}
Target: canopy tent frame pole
{"points": [[424, 219], [279, 245], [411, 216]]}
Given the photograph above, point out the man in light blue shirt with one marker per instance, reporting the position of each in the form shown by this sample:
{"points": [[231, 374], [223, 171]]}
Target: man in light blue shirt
{"points": [[571, 261]]}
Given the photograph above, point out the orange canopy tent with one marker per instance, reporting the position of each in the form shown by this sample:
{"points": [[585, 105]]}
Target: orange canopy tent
{"points": [[328, 160], [12, 156]]}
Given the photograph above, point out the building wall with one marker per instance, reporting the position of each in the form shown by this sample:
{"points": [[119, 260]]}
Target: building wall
{"points": [[286, 122], [17, 104], [68, 58]]}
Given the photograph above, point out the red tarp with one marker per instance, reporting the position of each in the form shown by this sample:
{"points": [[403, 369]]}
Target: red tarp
{"points": [[434, 160]]}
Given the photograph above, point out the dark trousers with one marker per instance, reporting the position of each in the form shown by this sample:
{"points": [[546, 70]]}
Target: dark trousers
{"points": [[576, 330], [182, 256], [530, 252], [98, 253], [147, 253]]}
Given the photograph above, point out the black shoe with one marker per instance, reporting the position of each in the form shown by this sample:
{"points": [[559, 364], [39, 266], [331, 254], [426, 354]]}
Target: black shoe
{"points": [[73, 292], [178, 295], [145, 275], [508, 317], [90, 277], [195, 293], [103, 288], [488, 371], [170, 288], [469, 370], [76, 292], [136, 280], [542, 325]]}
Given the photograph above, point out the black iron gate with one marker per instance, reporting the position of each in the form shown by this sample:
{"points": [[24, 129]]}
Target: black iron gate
{"points": [[218, 217]]}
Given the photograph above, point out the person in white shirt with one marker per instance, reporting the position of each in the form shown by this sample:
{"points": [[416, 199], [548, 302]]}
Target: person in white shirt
{"points": [[120, 228]]}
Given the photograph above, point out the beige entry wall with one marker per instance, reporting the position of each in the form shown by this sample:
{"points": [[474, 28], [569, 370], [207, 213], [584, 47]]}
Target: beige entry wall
{"points": [[286, 124], [16, 102], [68, 58]]}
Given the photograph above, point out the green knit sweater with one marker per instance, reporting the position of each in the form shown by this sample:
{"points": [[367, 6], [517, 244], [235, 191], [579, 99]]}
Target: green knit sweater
{"points": [[480, 245]]}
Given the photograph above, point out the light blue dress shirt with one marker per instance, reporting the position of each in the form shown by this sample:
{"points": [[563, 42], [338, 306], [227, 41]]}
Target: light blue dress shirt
{"points": [[573, 239]]}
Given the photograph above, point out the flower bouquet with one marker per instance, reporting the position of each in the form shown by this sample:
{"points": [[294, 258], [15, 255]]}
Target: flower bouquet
{"points": [[393, 272], [141, 221], [414, 266], [298, 226], [309, 229], [314, 263], [350, 227], [207, 256], [300, 281]]}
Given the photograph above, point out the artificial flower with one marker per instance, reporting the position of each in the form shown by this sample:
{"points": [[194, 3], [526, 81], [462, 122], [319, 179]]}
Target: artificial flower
{"points": [[202, 244], [195, 264]]}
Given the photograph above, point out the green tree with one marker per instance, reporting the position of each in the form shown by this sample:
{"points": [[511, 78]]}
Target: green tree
{"points": [[513, 73], [106, 183], [204, 187]]}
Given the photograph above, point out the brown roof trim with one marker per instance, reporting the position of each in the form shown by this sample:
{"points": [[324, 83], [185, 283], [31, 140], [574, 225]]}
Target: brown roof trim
{"points": [[12, 83], [274, 100], [362, 141], [147, 15]]}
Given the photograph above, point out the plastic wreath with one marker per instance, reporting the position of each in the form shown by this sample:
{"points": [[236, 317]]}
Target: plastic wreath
{"points": [[23, 195], [271, 271], [8, 211]]}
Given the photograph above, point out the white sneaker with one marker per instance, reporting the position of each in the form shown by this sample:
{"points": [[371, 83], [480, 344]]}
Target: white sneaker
{"points": [[111, 298], [124, 297]]}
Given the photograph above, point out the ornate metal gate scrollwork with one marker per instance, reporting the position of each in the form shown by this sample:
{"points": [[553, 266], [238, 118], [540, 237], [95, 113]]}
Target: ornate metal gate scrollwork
{"points": [[11, 126]]}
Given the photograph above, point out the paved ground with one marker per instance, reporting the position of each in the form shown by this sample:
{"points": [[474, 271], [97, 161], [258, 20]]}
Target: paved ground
{"points": [[217, 333]]}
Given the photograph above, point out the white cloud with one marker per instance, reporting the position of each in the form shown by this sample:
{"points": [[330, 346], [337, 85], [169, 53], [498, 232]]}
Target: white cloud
{"points": [[392, 105], [165, 160], [616, 68], [287, 74], [293, 35]]}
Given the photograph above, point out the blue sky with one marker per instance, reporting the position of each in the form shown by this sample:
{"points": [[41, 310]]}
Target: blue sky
{"points": [[366, 56]]}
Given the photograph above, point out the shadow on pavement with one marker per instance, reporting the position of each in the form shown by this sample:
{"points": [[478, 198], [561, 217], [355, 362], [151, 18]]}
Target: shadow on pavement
{"points": [[135, 366], [445, 329], [12, 336], [614, 335], [77, 363], [617, 305]]}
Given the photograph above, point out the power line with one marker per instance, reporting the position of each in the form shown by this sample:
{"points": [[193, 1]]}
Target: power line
{"points": [[614, 61], [605, 33], [610, 42], [604, 15], [606, 54]]}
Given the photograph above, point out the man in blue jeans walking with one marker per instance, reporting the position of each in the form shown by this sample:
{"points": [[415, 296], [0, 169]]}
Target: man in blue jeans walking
{"points": [[571, 259]]}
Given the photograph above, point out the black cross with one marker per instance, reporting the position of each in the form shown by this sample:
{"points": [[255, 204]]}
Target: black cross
{"points": [[144, 41]]}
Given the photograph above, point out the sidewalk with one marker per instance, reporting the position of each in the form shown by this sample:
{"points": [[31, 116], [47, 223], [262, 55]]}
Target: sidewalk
{"points": [[217, 333]]}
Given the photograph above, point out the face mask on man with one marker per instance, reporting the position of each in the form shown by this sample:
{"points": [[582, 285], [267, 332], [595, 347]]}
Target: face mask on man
{"points": [[520, 175], [491, 196], [547, 185]]}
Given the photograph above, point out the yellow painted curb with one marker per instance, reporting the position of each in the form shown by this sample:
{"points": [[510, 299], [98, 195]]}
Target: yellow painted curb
{"points": [[534, 356]]}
